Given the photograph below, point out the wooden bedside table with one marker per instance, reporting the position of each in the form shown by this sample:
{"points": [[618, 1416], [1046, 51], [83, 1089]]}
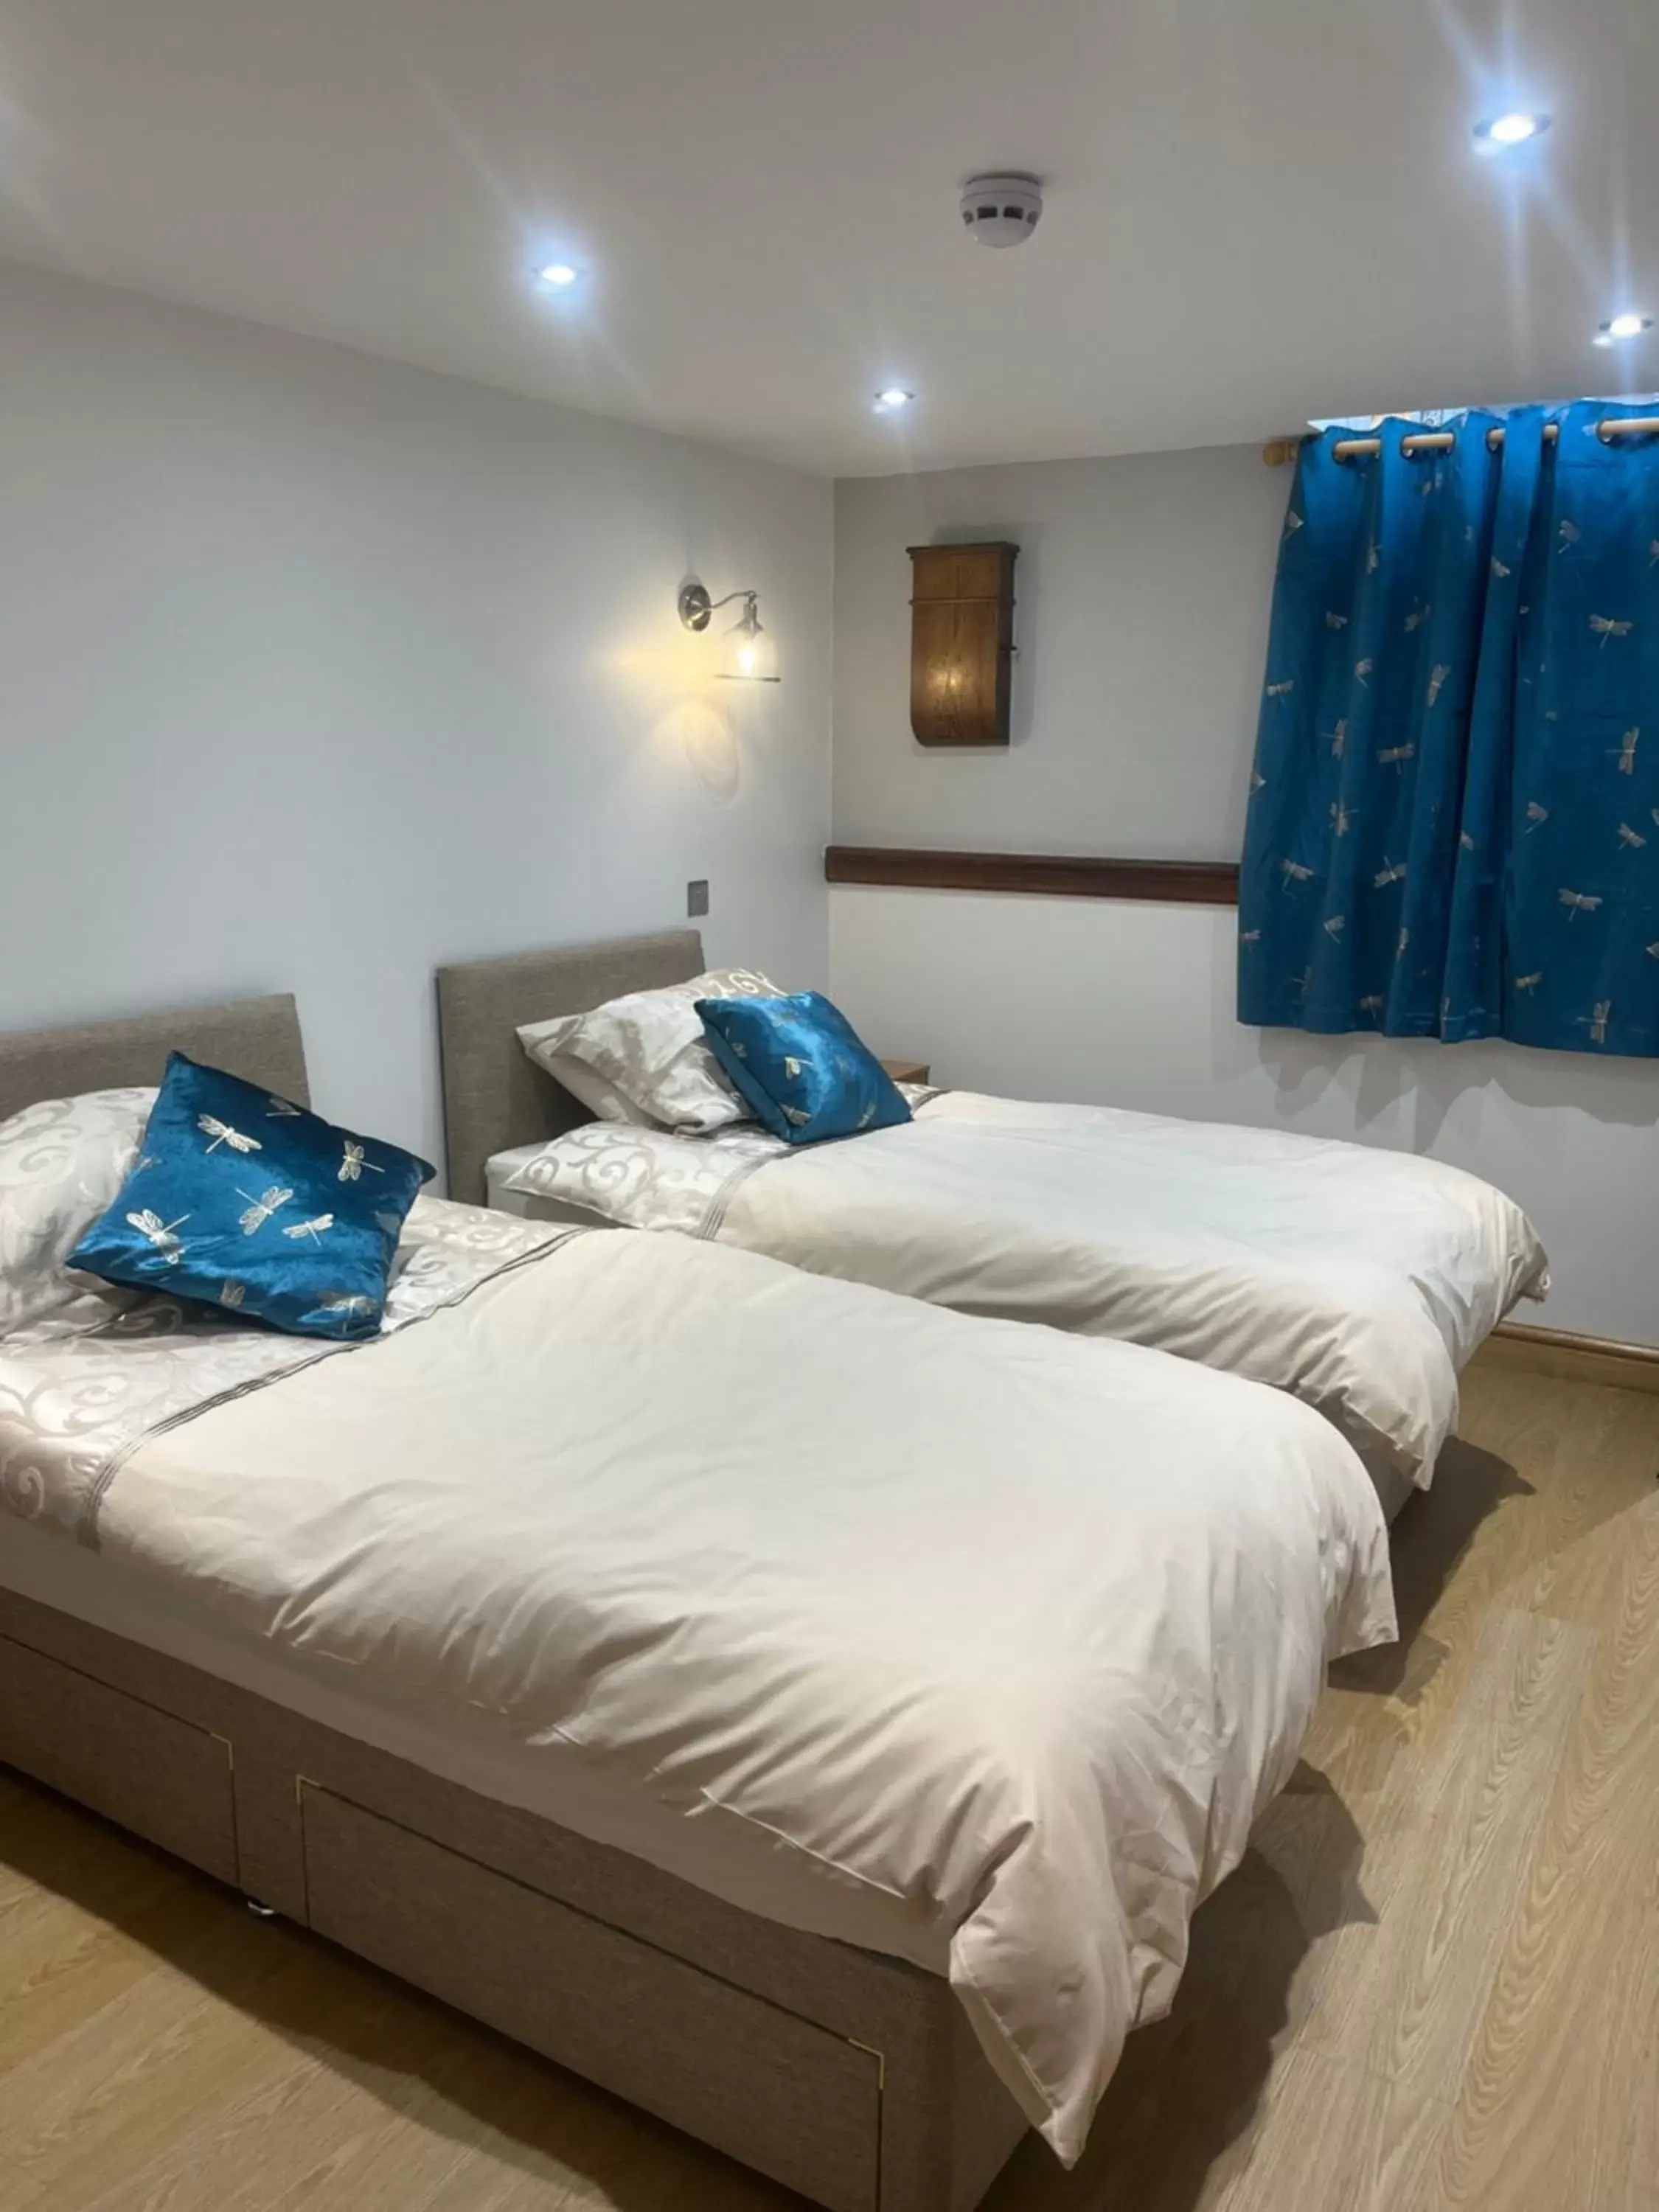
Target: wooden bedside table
{"points": [[909, 1071]]}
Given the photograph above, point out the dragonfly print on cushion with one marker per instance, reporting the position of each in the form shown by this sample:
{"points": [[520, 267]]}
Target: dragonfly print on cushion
{"points": [[162, 1235], [220, 1132], [316, 1229], [1455, 767], [260, 1209]]}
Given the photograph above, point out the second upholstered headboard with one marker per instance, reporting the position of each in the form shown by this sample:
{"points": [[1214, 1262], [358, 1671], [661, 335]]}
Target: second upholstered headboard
{"points": [[256, 1038], [495, 1097]]}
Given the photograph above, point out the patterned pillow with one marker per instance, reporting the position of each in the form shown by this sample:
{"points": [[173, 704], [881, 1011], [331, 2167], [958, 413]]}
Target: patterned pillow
{"points": [[242, 1201], [802, 1066], [645, 1057], [544, 1043], [61, 1163]]}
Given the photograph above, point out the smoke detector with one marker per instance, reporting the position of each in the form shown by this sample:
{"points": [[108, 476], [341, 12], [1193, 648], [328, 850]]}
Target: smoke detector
{"points": [[1001, 210]]}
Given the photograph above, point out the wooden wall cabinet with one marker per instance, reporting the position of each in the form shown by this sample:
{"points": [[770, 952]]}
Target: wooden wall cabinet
{"points": [[962, 642]]}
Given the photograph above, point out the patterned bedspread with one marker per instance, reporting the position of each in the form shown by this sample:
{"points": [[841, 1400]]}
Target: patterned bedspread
{"points": [[81, 1389]]}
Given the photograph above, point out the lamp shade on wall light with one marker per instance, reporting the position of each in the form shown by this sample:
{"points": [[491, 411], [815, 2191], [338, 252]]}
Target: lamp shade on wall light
{"points": [[747, 652]]}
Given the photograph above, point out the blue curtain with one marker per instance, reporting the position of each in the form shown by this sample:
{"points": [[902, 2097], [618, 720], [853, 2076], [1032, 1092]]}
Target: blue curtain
{"points": [[1454, 818]]}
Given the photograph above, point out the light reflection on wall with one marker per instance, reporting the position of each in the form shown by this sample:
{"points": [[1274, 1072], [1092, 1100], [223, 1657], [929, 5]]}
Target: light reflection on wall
{"points": [[710, 742], [684, 709]]}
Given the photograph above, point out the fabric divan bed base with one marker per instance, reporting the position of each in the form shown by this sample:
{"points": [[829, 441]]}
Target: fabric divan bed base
{"points": [[849, 2076]]}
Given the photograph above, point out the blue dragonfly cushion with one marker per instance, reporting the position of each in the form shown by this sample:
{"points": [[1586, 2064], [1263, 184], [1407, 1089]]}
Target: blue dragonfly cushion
{"points": [[244, 1200], [802, 1069]]}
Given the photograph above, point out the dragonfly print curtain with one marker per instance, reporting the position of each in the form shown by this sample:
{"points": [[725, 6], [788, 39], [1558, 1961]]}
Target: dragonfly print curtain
{"points": [[1454, 818]]}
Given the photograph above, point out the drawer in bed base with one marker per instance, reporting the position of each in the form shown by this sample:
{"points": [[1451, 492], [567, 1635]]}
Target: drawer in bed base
{"points": [[161, 1777], [782, 2093]]}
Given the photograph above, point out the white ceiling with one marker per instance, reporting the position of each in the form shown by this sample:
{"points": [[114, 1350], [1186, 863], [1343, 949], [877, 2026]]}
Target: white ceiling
{"points": [[1259, 211]]}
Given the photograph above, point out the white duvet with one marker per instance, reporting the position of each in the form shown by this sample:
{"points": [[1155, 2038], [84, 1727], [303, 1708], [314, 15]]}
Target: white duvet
{"points": [[1360, 1279], [976, 1643]]}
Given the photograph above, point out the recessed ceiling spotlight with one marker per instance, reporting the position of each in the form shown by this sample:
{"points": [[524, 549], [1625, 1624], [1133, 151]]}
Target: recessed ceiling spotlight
{"points": [[1627, 326], [559, 276], [1515, 128], [891, 398]]}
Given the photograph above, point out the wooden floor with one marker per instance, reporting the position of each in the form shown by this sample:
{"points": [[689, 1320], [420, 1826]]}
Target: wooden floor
{"points": [[1433, 1982]]}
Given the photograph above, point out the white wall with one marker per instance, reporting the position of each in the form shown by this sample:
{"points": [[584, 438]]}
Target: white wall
{"points": [[319, 670], [1142, 623], [1142, 588]]}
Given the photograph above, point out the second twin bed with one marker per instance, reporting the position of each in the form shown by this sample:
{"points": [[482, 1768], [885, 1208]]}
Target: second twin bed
{"points": [[1359, 1280]]}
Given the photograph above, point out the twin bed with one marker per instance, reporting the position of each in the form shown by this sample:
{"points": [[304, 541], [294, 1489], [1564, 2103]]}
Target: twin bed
{"points": [[1361, 1280], [810, 1712]]}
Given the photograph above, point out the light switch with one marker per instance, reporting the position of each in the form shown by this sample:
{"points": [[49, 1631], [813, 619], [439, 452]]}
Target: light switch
{"points": [[697, 897]]}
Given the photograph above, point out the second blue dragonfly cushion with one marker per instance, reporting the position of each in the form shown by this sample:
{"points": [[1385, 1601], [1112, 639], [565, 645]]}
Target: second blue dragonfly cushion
{"points": [[801, 1066]]}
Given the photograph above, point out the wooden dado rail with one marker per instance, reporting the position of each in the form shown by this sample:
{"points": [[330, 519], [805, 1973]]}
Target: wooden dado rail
{"points": [[1185, 883]]}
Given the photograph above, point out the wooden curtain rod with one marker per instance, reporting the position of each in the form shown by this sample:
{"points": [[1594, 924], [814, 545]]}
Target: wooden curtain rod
{"points": [[1280, 449]]}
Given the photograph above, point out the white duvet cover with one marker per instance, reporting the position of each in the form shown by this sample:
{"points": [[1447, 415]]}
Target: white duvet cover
{"points": [[974, 1641], [1360, 1279]]}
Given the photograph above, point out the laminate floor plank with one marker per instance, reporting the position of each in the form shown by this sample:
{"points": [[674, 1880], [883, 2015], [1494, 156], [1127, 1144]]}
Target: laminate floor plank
{"points": [[1576, 1998], [66, 1965], [1371, 2141], [17, 2192], [91, 2105], [1448, 1867]]}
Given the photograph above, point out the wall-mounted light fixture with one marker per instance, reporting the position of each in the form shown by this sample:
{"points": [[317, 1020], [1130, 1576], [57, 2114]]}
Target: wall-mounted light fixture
{"points": [[747, 654]]}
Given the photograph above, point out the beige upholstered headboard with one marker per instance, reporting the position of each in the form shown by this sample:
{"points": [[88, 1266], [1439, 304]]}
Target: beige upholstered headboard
{"points": [[258, 1038], [495, 1097]]}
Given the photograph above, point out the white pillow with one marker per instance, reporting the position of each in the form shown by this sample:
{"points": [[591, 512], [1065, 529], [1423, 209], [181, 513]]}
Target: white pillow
{"points": [[644, 1058], [62, 1163]]}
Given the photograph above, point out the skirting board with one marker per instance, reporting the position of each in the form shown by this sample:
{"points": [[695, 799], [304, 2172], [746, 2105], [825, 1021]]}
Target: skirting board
{"points": [[1576, 1358]]}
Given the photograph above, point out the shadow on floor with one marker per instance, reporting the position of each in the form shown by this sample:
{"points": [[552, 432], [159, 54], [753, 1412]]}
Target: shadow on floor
{"points": [[1171, 2124], [1433, 1531]]}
